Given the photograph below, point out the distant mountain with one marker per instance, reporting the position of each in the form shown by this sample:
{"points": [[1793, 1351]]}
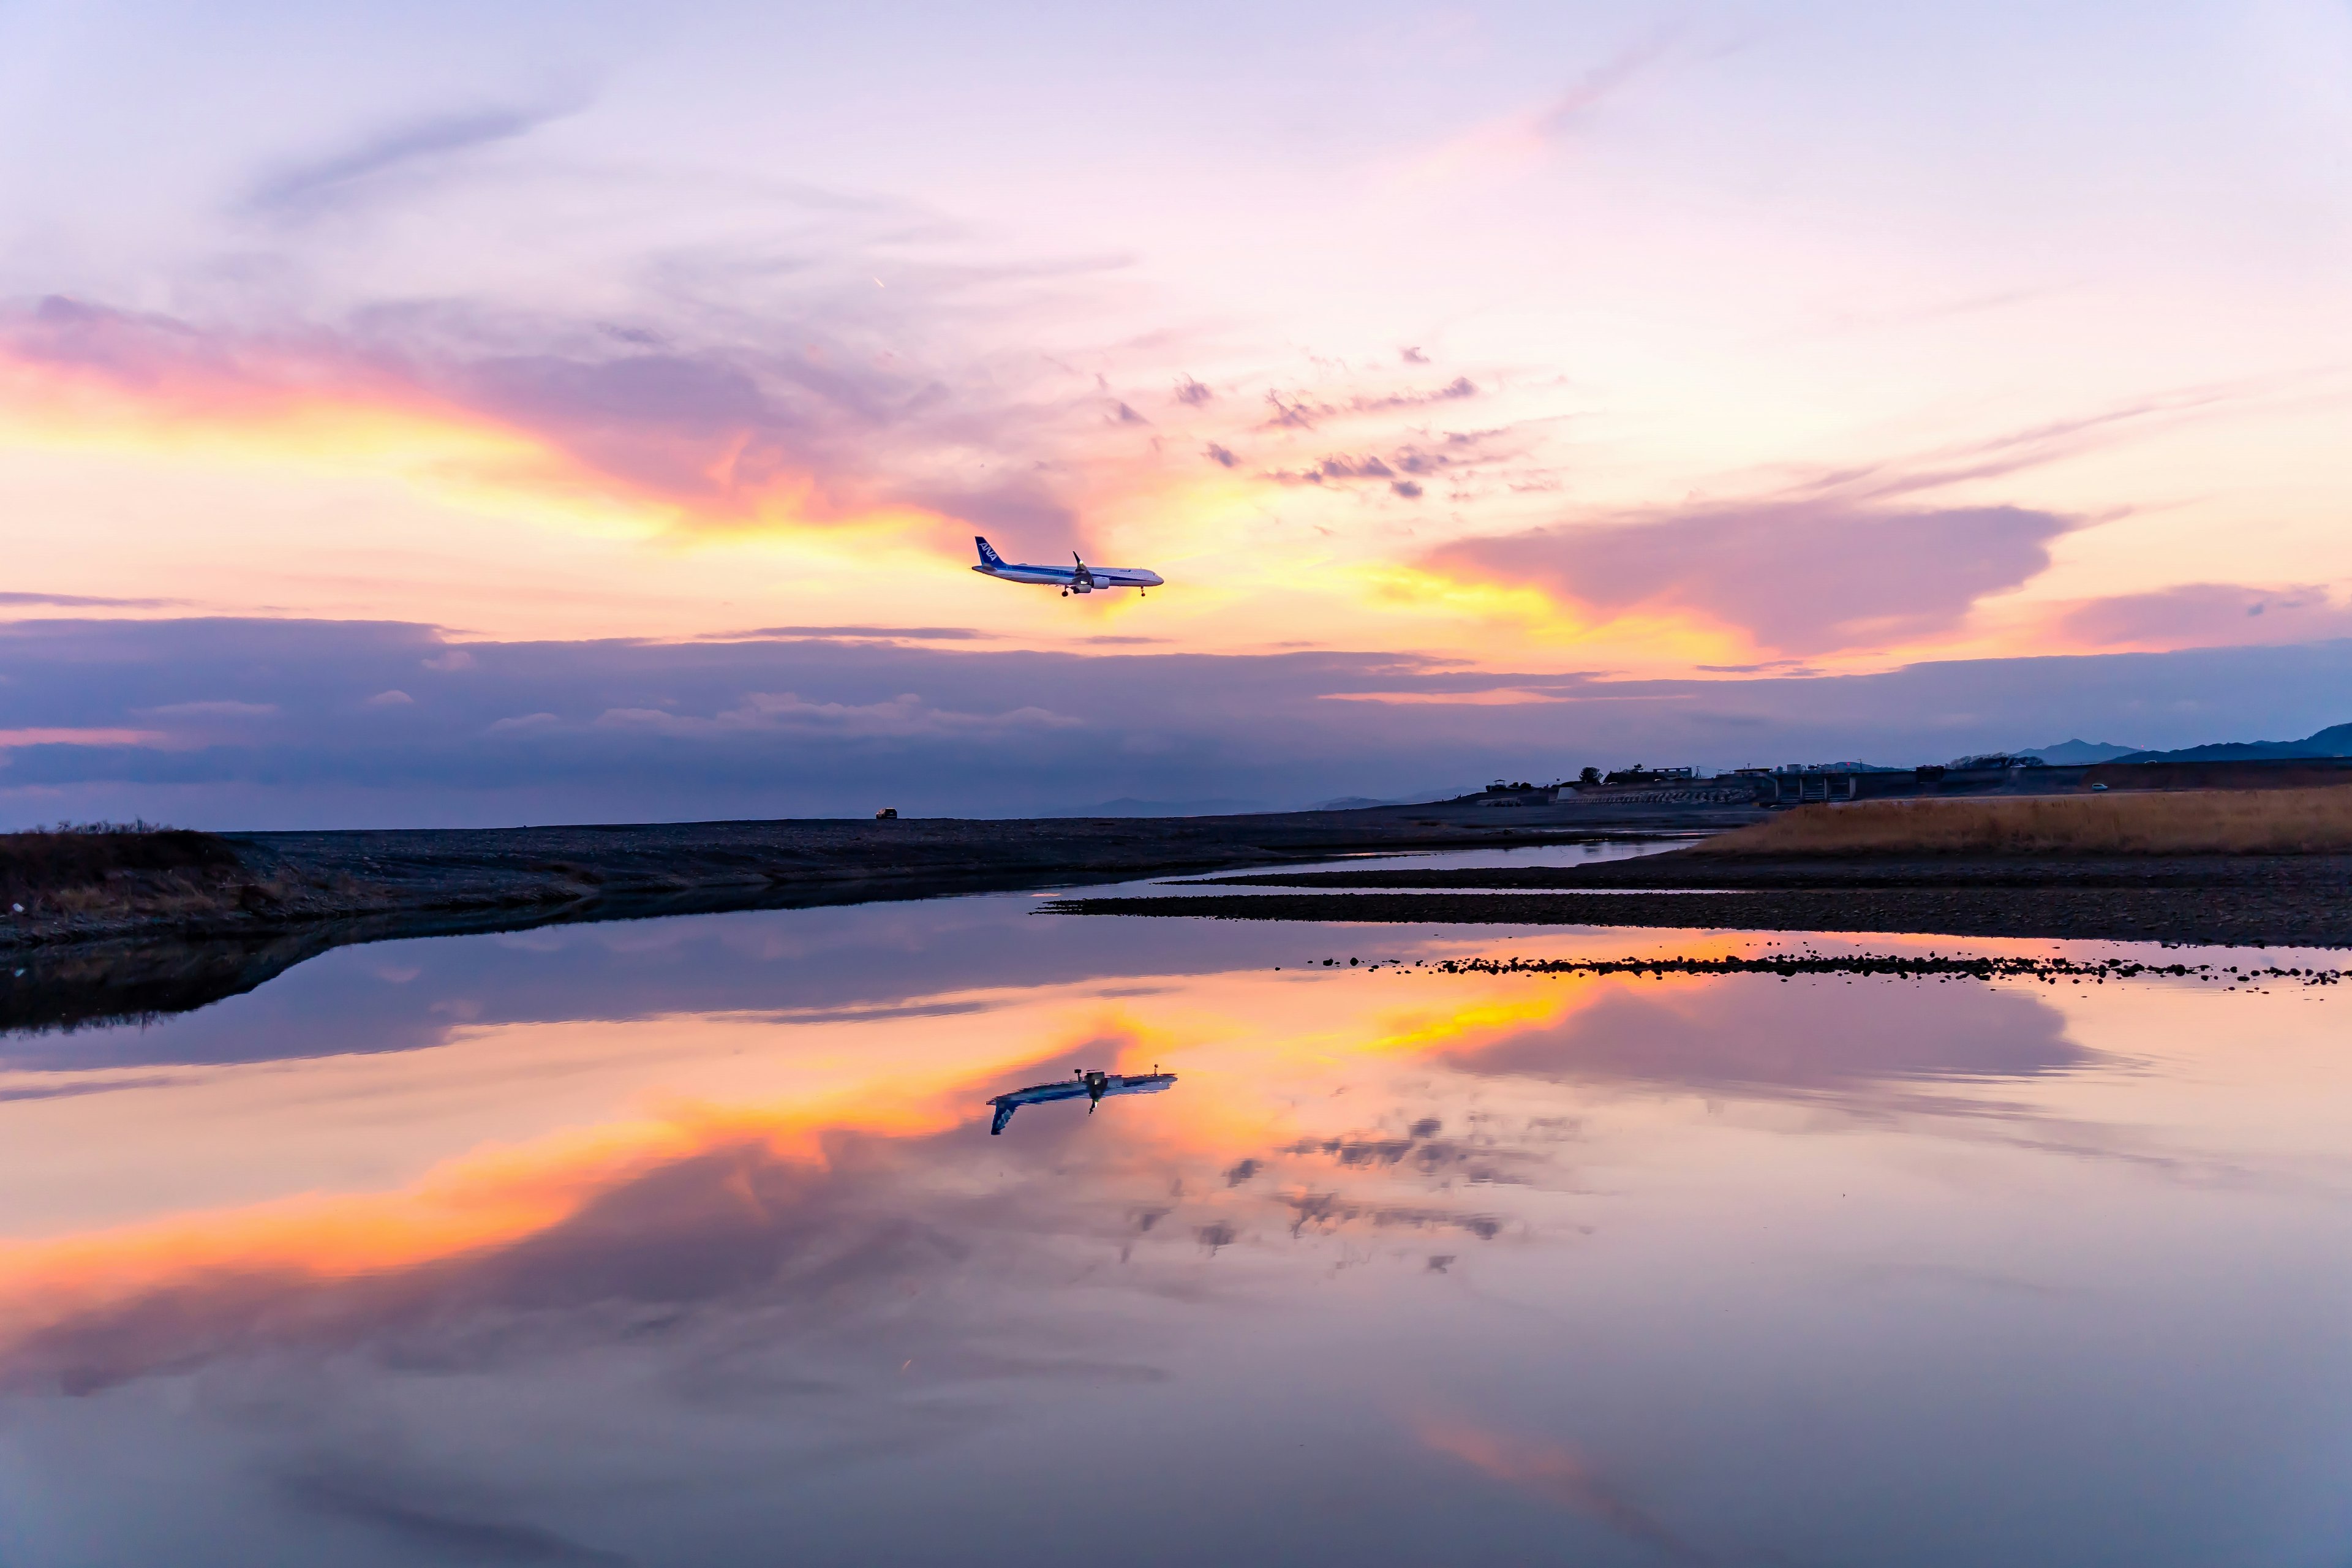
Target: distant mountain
{"points": [[2074, 754], [2333, 741], [1364, 802]]}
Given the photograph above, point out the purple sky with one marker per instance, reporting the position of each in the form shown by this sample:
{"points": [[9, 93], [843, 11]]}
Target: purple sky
{"points": [[1499, 389]]}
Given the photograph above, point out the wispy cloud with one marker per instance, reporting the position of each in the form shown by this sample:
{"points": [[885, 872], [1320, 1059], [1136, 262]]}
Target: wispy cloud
{"points": [[859, 634], [1300, 410], [303, 189], [1484, 696], [2011, 452], [86, 601], [79, 735], [906, 715], [1509, 145], [213, 708]]}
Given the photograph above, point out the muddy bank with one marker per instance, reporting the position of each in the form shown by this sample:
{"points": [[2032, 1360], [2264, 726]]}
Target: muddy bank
{"points": [[2233, 917], [2316, 876], [2237, 901]]}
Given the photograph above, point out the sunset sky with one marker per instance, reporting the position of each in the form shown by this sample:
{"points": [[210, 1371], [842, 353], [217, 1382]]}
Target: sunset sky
{"points": [[410, 414]]}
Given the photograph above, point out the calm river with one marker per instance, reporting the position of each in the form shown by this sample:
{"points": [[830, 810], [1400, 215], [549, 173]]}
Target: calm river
{"points": [[685, 1242]]}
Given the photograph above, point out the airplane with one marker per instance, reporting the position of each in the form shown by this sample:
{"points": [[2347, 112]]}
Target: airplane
{"points": [[1085, 1080], [1082, 579]]}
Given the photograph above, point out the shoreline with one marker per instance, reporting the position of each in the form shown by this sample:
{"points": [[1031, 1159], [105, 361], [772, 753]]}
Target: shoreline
{"points": [[2236, 919], [2222, 901], [294, 896], [281, 882]]}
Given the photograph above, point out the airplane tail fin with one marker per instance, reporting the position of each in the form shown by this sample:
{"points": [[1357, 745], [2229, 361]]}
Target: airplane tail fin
{"points": [[988, 555]]}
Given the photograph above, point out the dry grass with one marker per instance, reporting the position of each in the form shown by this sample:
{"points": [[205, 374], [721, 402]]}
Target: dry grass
{"points": [[74, 869], [2185, 822]]}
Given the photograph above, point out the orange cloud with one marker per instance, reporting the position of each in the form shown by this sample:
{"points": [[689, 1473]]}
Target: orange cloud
{"points": [[662, 440]]}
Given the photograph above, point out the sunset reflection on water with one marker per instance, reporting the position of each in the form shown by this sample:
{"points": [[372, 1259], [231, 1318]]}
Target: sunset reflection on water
{"points": [[686, 1242]]}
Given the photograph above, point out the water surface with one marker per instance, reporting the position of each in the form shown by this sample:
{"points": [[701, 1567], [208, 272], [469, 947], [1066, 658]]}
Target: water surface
{"points": [[685, 1242]]}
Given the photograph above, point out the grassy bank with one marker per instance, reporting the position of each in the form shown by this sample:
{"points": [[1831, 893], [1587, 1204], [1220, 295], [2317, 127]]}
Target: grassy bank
{"points": [[69, 868], [2187, 822]]}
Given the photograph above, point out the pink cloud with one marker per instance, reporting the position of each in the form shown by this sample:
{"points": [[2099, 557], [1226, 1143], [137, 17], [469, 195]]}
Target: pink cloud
{"points": [[722, 434], [1797, 578], [96, 736], [1506, 145], [2208, 615], [1558, 1475]]}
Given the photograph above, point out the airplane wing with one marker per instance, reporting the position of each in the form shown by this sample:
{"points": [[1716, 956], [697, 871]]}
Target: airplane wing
{"points": [[1039, 1093], [1035, 1094], [1124, 577], [1140, 1083]]}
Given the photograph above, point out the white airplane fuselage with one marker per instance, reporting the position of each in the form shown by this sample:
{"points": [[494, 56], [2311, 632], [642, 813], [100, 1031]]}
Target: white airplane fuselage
{"points": [[1079, 579]]}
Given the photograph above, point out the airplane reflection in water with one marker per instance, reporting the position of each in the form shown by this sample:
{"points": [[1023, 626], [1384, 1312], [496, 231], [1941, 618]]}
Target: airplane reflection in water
{"points": [[1085, 1080], [631, 1265]]}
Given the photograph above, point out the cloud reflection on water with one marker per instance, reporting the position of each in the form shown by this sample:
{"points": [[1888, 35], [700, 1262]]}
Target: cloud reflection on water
{"points": [[711, 1204], [1787, 1041], [799, 965], [783, 1299], [1557, 1475], [647, 1230]]}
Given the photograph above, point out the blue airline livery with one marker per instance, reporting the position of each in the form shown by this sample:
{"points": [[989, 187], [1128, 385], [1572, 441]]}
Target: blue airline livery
{"points": [[1080, 579], [1087, 1082]]}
